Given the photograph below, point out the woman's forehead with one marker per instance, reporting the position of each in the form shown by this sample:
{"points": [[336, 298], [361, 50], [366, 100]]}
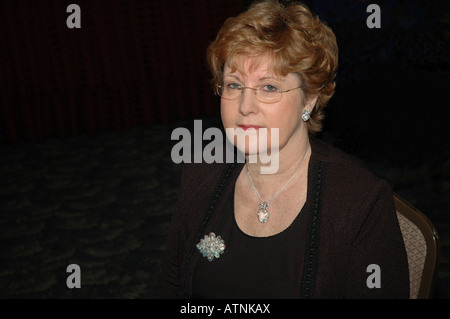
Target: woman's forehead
{"points": [[259, 66]]}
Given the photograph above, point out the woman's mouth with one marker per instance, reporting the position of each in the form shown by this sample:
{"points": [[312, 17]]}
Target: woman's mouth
{"points": [[248, 127]]}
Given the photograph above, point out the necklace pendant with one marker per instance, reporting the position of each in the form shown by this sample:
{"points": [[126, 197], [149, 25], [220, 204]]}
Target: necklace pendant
{"points": [[263, 212]]}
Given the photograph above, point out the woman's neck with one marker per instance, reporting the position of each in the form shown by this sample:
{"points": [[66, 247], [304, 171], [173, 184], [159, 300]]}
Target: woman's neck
{"points": [[289, 159]]}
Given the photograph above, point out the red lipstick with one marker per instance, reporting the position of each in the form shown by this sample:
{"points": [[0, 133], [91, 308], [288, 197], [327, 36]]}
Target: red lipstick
{"points": [[247, 127]]}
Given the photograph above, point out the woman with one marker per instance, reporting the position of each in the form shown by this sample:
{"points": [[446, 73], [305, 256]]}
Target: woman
{"points": [[321, 226]]}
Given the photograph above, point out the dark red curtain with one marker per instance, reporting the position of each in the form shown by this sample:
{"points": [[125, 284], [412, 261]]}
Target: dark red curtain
{"points": [[132, 62]]}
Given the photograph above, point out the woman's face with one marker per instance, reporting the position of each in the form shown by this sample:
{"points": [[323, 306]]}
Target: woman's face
{"points": [[248, 117]]}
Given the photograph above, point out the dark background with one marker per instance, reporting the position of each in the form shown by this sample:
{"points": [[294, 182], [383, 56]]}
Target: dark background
{"points": [[86, 116]]}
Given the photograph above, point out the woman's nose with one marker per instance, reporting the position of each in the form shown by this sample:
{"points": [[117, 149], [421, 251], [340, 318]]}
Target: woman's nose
{"points": [[248, 103]]}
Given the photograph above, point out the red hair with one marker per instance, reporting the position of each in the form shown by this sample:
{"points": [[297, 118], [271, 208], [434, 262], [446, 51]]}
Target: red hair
{"points": [[297, 41]]}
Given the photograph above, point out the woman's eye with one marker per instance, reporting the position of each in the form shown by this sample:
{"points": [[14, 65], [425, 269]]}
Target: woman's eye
{"points": [[233, 86], [269, 88]]}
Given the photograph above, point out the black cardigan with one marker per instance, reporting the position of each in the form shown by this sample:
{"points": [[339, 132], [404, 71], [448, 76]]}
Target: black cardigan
{"points": [[351, 224]]}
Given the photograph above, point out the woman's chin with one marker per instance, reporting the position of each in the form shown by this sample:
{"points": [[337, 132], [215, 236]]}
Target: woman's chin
{"points": [[253, 150]]}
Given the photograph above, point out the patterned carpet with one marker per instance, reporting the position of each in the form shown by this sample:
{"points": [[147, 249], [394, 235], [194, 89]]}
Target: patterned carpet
{"points": [[104, 202], [101, 202]]}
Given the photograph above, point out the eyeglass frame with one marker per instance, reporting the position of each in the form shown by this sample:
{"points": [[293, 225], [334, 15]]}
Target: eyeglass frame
{"points": [[256, 90]]}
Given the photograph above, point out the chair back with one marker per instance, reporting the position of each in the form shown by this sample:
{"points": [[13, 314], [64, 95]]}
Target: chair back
{"points": [[422, 248]]}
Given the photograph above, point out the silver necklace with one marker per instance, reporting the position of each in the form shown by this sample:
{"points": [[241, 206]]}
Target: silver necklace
{"points": [[263, 211]]}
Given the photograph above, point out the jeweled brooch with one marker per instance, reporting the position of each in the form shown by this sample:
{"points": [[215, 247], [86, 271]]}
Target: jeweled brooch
{"points": [[211, 246]]}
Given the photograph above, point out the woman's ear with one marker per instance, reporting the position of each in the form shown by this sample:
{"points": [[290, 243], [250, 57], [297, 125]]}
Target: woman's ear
{"points": [[311, 103]]}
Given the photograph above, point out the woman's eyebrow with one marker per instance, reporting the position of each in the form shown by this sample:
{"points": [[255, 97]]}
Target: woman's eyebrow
{"points": [[234, 76], [267, 77], [270, 77]]}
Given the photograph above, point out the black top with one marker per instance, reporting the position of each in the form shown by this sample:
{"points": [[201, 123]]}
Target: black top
{"points": [[250, 267], [351, 225]]}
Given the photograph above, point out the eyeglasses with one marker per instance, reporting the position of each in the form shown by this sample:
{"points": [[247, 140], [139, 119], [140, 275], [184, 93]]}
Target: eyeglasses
{"points": [[265, 94]]}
